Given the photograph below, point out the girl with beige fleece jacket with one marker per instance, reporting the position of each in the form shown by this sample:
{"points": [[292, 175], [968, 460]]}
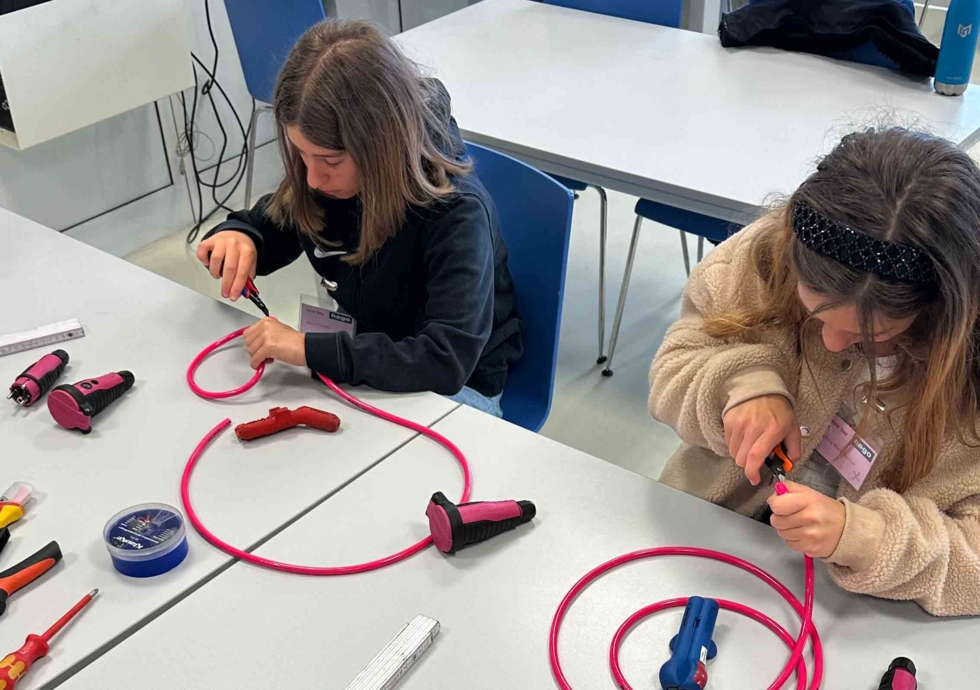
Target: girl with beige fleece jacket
{"points": [[845, 325]]}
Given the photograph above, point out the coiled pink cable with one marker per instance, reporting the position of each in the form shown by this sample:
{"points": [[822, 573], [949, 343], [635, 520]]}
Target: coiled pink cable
{"points": [[646, 611], [796, 661], [185, 481], [204, 354]]}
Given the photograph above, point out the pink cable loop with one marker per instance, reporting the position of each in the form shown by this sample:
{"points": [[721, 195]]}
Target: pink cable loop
{"points": [[735, 607], [805, 611], [203, 355], [185, 480]]}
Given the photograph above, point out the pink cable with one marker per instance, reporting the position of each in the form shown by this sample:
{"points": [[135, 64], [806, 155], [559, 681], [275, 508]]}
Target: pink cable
{"points": [[805, 612], [204, 354], [796, 661], [185, 480]]}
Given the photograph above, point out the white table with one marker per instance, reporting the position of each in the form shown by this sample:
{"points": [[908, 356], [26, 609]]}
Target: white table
{"points": [[657, 112], [136, 320], [495, 601]]}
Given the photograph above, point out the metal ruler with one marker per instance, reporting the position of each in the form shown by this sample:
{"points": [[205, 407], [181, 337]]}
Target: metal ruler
{"points": [[399, 655], [39, 337]]}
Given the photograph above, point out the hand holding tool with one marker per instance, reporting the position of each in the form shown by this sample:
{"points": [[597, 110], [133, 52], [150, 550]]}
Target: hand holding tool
{"points": [[779, 463], [38, 378], [455, 527], [15, 666], [899, 676], [12, 502], [281, 418], [28, 570], [691, 647], [251, 293], [74, 405]]}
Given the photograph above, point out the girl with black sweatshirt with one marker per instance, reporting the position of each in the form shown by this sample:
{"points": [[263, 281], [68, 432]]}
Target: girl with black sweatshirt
{"points": [[379, 196]]}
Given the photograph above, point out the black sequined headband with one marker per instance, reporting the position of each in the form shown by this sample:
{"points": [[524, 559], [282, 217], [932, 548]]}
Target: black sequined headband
{"points": [[893, 260]]}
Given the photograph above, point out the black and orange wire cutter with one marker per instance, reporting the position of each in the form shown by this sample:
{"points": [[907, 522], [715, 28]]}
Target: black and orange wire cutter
{"points": [[28, 570]]}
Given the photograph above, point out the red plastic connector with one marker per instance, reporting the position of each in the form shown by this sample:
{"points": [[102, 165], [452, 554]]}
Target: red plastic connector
{"points": [[283, 418]]}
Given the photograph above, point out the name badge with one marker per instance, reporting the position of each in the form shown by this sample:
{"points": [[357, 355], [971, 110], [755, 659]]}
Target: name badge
{"points": [[848, 453], [314, 318]]}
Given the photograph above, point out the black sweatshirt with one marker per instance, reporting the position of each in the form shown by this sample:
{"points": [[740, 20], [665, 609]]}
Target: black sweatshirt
{"points": [[434, 307]]}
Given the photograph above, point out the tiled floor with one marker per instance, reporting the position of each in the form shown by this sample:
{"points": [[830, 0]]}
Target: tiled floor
{"points": [[606, 417]]}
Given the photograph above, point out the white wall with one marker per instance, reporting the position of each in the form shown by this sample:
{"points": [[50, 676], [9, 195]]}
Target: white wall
{"points": [[115, 184], [118, 184]]}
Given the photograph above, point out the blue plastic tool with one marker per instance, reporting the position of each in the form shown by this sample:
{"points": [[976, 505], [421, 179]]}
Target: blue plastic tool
{"points": [[691, 647]]}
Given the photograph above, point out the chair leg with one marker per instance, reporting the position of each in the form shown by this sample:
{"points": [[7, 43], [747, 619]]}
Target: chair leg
{"points": [[622, 296], [687, 257], [603, 218], [700, 248], [250, 164], [922, 17]]}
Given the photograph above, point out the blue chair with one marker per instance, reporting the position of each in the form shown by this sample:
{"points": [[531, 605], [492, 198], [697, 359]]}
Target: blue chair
{"points": [[535, 215], [666, 13], [662, 12], [265, 31]]}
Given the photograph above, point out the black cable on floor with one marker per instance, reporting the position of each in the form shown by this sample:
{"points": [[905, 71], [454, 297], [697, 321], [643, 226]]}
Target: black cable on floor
{"points": [[191, 135]]}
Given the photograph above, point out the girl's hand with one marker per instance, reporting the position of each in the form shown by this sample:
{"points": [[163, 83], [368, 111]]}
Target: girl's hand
{"points": [[231, 256], [755, 427], [807, 520], [270, 339]]}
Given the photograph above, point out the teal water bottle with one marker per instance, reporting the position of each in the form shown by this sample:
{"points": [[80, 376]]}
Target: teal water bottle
{"points": [[958, 47]]}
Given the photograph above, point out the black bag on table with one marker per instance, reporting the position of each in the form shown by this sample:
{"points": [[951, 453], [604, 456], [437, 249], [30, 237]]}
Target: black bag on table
{"points": [[832, 28]]}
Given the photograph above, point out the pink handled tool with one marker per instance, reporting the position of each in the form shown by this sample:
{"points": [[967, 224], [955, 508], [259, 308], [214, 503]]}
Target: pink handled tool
{"points": [[899, 676], [455, 527], [74, 405], [38, 378]]}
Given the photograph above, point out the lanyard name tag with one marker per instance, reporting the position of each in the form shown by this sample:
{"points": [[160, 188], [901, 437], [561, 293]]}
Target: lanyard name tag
{"points": [[317, 319], [849, 454]]}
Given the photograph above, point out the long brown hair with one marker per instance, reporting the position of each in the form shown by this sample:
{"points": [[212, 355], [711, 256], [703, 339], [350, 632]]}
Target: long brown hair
{"points": [[348, 88], [899, 186]]}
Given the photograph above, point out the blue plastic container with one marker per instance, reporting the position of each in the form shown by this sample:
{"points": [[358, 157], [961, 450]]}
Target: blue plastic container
{"points": [[146, 540]]}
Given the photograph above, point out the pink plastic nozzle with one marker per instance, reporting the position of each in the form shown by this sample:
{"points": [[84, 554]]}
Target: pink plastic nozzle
{"points": [[456, 527]]}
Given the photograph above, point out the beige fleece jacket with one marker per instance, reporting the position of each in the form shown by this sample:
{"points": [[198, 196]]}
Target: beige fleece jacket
{"points": [[923, 545]]}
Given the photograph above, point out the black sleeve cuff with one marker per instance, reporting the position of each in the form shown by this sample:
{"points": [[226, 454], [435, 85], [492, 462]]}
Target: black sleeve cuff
{"points": [[325, 355]]}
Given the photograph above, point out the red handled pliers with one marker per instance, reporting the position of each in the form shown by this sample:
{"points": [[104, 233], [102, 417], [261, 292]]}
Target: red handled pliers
{"points": [[251, 293]]}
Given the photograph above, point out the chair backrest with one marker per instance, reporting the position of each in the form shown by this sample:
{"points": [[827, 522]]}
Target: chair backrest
{"points": [[535, 215], [662, 12], [265, 31]]}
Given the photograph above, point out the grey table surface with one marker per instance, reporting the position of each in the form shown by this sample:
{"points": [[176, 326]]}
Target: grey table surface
{"points": [[662, 113], [495, 601], [138, 321]]}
